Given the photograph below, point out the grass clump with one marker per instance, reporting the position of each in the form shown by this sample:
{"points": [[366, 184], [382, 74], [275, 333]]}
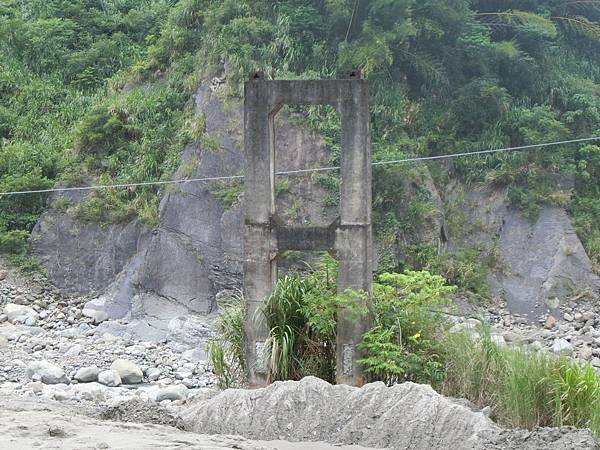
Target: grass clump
{"points": [[226, 349], [523, 389]]}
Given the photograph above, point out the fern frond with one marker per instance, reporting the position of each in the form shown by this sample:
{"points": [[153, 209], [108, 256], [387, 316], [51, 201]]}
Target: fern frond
{"points": [[583, 5], [429, 67], [580, 25], [521, 19]]}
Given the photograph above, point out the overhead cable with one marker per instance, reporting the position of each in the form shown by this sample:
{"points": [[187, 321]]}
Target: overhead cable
{"points": [[301, 171]]}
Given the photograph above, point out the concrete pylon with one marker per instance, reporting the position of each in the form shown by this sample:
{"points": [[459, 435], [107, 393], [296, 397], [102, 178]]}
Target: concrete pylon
{"points": [[349, 238]]}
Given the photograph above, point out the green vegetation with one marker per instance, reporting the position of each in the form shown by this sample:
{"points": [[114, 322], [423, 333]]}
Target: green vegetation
{"points": [[102, 93], [227, 192], [226, 349], [402, 345], [524, 389], [409, 341]]}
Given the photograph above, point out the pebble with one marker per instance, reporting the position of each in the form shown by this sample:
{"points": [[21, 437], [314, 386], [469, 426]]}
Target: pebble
{"points": [[56, 431]]}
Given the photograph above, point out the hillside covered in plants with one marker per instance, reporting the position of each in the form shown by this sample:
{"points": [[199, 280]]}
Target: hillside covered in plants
{"points": [[487, 266], [101, 92]]}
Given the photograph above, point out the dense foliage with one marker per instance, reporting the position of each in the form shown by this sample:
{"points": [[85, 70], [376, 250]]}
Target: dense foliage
{"points": [[101, 91], [410, 341], [404, 342]]}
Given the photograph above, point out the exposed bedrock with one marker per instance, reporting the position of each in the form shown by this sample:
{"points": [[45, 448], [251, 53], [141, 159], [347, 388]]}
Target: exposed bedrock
{"points": [[534, 263], [154, 279]]}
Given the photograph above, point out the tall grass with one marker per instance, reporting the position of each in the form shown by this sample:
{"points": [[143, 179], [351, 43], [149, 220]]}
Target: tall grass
{"points": [[523, 389], [296, 346], [226, 350]]}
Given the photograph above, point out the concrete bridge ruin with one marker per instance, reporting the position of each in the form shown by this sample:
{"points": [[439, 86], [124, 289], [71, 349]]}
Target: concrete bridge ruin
{"points": [[349, 238]]}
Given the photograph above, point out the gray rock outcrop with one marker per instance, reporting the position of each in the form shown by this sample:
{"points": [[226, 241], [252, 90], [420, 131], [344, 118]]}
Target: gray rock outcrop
{"points": [[158, 279], [534, 263]]}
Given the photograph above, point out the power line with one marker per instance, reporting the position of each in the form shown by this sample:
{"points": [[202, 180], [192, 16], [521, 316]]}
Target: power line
{"points": [[302, 171]]}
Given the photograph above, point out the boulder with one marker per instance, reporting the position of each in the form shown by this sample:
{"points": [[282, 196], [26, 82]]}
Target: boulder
{"points": [[128, 371], [18, 313], [470, 327], [188, 332], [94, 392], [97, 315], [561, 345], [109, 378], [153, 374], [46, 372], [174, 392], [74, 350], [87, 374]]}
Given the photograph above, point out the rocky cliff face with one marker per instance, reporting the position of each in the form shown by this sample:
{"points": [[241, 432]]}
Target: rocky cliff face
{"points": [[162, 283], [533, 264]]}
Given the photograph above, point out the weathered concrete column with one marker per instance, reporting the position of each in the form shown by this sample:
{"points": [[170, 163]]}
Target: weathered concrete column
{"points": [[260, 271], [350, 236], [353, 237]]}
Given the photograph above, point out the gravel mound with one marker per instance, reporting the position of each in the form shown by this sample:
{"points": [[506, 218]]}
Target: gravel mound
{"points": [[405, 416]]}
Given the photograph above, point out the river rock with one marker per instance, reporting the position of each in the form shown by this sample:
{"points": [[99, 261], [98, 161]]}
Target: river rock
{"points": [[87, 374], [175, 392], [46, 372], [97, 316], [109, 378], [153, 374], [94, 392], [561, 345], [18, 313], [128, 371]]}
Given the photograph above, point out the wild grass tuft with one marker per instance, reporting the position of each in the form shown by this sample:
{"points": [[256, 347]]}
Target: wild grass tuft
{"points": [[226, 349], [523, 389]]}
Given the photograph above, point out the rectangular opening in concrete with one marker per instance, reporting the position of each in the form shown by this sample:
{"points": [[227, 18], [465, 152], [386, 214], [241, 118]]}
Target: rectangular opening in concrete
{"points": [[307, 137]]}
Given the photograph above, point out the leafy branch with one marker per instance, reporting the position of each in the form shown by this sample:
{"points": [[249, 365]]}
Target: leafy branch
{"points": [[580, 25]]}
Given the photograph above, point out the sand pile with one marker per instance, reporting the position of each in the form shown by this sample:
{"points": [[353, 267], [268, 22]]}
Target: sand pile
{"points": [[405, 416]]}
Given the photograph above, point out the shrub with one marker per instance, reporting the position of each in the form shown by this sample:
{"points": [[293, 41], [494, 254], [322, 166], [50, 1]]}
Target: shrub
{"points": [[14, 242], [406, 342]]}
